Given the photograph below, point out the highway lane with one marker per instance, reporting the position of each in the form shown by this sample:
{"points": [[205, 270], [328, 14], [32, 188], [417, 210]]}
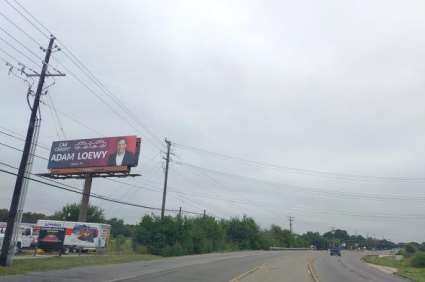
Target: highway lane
{"points": [[205, 268], [249, 266], [349, 268]]}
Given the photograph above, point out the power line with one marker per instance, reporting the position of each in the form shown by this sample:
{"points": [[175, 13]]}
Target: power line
{"points": [[22, 139], [21, 44], [311, 190], [236, 202], [26, 18], [101, 99], [300, 170], [76, 121], [105, 198], [20, 150], [337, 213], [80, 65], [21, 30], [55, 112], [20, 52], [315, 191]]}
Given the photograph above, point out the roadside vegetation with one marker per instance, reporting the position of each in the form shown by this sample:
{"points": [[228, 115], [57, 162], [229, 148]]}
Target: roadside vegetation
{"points": [[182, 235], [55, 263], [409, 262]]}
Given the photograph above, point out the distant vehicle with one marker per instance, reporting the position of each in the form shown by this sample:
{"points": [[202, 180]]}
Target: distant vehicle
{"points": [[27, 235], [76, 235], [335, 251]]}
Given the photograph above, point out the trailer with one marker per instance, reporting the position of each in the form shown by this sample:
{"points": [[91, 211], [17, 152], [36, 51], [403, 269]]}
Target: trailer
{"points": [[72, 236]]}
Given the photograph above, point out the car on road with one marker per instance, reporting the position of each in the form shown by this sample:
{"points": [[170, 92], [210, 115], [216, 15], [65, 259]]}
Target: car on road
{"points": [[335, 252]]}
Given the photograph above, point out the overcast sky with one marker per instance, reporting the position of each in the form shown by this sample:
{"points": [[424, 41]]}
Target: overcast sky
{"points": [[335, 86]]}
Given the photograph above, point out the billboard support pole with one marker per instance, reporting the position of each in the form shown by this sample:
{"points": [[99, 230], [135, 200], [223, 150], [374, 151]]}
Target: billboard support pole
{"points": [[85, 198], [164, 193], [8, 247]]}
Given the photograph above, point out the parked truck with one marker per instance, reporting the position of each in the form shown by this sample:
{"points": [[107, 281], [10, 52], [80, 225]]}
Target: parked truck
{"points": [[72, 236], [27, 235]]}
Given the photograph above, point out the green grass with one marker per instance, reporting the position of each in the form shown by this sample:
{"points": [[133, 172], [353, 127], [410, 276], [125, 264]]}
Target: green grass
{"points": [[403, 267], [53, 263]]}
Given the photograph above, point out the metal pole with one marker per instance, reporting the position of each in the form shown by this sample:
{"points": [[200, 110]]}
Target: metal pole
{"points": [[85, 198], [164, 194], [8, 249]]}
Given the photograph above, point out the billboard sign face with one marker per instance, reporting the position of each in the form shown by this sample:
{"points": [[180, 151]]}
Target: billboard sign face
{"points": [[51, 238], [96, 152]]}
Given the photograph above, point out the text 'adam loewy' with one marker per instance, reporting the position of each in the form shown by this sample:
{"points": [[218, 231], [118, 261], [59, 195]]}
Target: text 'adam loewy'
{"points": [[80, 156]]}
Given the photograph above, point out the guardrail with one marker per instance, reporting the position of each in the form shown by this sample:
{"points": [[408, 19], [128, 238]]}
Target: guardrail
{"points": [[289, 249]]}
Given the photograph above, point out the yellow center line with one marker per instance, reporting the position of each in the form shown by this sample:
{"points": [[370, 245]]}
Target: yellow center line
{"points": [[240, 276], [311, 271]]}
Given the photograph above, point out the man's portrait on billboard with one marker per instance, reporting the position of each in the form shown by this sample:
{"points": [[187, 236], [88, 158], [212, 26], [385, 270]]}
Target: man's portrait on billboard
{"points": [[122, 156]]}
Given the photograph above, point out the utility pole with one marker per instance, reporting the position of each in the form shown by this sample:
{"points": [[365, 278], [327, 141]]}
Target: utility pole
{"points": [[167, 161], [82, 217], [8, 247], [291, 220]]}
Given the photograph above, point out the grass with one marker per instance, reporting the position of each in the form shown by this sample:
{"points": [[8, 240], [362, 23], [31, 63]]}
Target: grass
{"points": [[54, 263], [403, 267]]}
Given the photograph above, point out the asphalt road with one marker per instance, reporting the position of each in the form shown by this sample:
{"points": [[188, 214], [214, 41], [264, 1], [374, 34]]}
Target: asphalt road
{"points": [[263, 266], [349, 268]]}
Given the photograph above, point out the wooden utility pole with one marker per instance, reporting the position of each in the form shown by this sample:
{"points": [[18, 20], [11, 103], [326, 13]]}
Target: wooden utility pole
{"points": [[8, 247], [164, 193], [291, 220]]}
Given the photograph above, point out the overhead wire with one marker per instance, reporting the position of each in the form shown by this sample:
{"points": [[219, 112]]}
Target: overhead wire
{"points": [[20, 52], [312, 190], [80, 65], [297, 188], [300, 170], [21, 44], [21, 29], [26, 18], [97, 196]]}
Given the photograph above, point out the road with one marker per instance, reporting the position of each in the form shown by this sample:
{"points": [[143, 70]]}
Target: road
{"points": [[250, 266], [350, 268]]}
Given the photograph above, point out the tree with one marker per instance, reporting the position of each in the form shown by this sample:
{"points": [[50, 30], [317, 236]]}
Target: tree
{"points": [[118, 227], [245, 232], [4, 214], [27, 217], [70, 212], [316, 240], [32, 217]]}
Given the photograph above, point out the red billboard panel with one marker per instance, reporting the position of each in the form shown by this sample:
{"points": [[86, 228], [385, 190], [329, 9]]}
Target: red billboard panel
{"points": [[96, 152]]}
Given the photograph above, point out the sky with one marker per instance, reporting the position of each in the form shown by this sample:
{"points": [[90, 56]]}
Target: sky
{"points": [[320, 86]]}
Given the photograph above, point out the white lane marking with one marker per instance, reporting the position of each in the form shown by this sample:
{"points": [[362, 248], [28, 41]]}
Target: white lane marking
{"points": [[122, 278]]}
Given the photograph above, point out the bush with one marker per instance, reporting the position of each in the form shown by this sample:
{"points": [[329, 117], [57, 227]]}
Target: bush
{"points": [[121, 245], [410, 249], [418, 260], [139, 249]]}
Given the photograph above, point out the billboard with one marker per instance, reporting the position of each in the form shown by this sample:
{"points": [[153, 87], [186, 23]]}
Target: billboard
{"points": [[97, 152]]}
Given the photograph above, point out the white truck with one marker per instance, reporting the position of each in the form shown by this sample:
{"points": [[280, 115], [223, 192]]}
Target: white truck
{"points": [[27, 235], [78, 235]]}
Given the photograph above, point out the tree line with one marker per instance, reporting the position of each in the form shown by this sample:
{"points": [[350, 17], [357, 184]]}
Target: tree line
{"points": [[181, 235]]}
